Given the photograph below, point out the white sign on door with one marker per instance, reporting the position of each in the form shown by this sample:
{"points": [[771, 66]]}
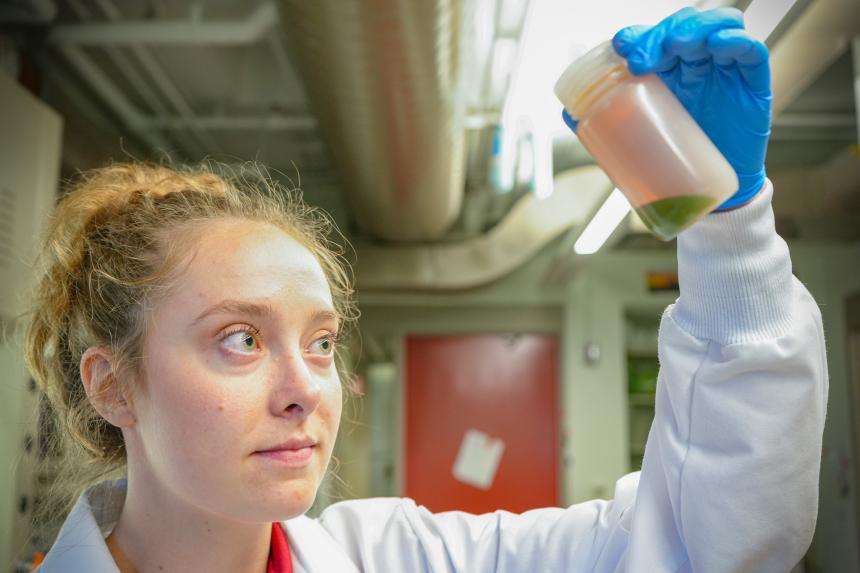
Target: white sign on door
{"points": [[478, 459]]}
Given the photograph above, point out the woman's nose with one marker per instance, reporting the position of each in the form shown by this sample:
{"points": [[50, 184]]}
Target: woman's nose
{"points": [[298, 390]]}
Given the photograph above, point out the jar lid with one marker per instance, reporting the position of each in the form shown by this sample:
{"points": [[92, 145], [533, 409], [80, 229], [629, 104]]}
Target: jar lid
{"points": [[585, 71]]}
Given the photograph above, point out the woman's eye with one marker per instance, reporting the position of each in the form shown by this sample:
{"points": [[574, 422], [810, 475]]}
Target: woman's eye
{"points": [[244, 341], [324, 346]]}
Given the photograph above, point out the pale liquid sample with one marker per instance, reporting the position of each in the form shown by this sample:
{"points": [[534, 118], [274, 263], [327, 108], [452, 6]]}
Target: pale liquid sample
{"points": [[652, 158]]}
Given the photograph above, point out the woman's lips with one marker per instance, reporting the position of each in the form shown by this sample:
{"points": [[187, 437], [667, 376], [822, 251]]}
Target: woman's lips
{"points": [[292, 457]]}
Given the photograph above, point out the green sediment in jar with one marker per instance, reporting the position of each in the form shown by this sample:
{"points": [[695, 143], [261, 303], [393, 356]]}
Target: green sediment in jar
{"points": [[668, 217]]}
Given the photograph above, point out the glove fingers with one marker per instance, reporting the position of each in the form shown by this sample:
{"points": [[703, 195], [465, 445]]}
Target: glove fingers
{"points": [[647, 55], [730, 47], [683, 35], [626, 38], [687, 39]]}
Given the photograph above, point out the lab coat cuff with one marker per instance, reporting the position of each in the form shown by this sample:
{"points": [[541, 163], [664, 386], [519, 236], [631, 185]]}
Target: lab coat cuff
{"points": [[735, 275]]}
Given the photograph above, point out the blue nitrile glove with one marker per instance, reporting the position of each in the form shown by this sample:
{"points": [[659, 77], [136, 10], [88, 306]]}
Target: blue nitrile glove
{"points": [[720, 74]]}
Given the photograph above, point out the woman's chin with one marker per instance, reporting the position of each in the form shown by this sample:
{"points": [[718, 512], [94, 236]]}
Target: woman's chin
{"points": [[289, 503]]}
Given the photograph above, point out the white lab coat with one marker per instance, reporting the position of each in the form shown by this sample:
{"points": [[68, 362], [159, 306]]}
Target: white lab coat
{"points": [[730, 476]]}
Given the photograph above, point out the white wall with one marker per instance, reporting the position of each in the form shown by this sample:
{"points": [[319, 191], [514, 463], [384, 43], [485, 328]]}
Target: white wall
{"points": [[29, 175], [595, 396]]}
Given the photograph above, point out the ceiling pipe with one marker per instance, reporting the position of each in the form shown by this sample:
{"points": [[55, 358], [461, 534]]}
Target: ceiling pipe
{"points": [[125, 66], [816, 39], [386, 81], [825, 30], [183, 32], [832, 211], [815, 120], [261, 24], [116, 100], [529, 226], [267, 122]]}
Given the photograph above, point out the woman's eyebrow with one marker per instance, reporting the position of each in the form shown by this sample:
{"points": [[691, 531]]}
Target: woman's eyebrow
{"points": [[231, 306], [258, 310], [325, 316]]}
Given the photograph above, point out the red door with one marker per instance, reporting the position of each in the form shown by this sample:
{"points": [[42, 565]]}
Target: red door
{"points": [[482, 422]]}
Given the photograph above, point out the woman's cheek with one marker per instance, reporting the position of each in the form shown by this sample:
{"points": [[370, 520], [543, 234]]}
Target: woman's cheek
{"points": [[335, 406], [335, 390]]}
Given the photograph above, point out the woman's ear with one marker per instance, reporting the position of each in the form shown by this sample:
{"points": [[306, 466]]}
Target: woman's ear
{"points": [[103, 391]]}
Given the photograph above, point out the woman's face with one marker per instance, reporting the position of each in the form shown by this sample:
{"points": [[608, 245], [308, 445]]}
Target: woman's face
{"points": [[240, 401]]}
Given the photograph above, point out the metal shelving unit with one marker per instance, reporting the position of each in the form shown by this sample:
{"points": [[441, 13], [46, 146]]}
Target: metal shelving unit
{"points": [[642, 369]]}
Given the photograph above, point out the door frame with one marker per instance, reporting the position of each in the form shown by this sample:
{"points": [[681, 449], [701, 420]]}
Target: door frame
{"points": [[852, 350]]}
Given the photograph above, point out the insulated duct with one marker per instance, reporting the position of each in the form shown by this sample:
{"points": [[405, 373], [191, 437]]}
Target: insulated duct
{"points": [[531, 224], [385, 80], [832, 211]]}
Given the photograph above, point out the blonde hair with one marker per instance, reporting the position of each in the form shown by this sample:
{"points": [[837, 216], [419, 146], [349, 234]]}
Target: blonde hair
{"points": [[110, 249]]}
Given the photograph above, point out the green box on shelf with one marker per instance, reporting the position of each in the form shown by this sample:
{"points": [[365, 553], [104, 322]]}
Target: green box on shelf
{"points": [[642, 376]]}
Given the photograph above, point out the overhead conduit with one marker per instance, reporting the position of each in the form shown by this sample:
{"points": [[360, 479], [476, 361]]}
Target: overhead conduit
{"points": [[824, 31], [385, 80], [531, 224], [386, 88]]}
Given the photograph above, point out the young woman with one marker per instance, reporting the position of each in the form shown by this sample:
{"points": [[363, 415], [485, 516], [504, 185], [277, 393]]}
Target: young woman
{"points": [[185, 332]]}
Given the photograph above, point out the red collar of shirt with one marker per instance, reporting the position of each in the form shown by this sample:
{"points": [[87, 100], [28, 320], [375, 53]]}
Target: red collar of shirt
{"points": [[280, 560]]}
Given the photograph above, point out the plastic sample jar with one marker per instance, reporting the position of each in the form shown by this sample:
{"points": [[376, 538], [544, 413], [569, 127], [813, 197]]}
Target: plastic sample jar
{"points": [[645, 141]]}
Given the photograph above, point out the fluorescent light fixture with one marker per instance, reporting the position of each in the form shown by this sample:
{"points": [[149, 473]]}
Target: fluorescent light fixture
{"points": [[610, 214], [525, 169], [511, 15], [763, 16], [504, 54], [543, 167]]}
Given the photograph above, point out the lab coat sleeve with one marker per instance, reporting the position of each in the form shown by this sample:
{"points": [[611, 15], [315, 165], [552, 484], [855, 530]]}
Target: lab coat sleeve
{"points": [[730, 474], [381, 535]]}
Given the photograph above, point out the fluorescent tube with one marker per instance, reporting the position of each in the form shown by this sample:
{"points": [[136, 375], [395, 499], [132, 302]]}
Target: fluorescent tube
{"points": [[610, 214], [763, 16]]}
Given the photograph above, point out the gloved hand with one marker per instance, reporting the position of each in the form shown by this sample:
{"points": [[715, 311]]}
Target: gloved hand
{"points": [[720, 74]]}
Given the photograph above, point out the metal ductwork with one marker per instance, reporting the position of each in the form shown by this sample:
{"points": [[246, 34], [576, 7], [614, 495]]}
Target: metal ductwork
{"points": [[531, 224], [826, 196], [822, 32], [384, 78]]}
